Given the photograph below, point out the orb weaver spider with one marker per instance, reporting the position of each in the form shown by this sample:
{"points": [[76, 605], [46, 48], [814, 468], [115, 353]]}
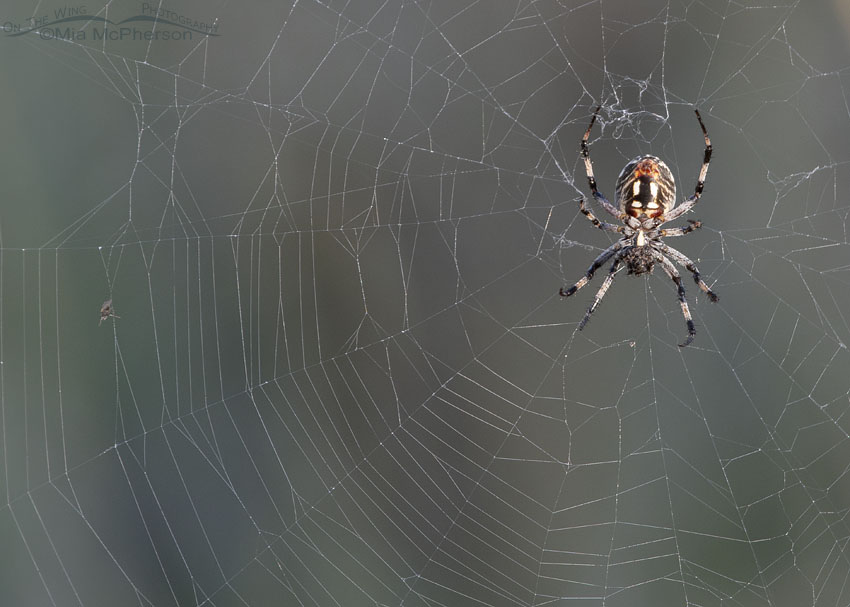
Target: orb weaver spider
{"points": [[646, 196]]}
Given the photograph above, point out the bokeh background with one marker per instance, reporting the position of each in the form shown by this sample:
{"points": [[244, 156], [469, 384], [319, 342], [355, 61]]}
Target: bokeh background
{"points": [[334, 234]]}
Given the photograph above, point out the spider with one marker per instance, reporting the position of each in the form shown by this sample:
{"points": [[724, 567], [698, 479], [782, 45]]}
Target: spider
{"points": [[646, 194]]}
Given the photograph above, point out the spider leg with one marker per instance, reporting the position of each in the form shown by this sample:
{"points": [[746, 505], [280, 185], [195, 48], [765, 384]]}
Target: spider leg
{"points": [[673, 273], [683, 260], [690, 202], [591, 179], [670, 232], [602, 225], [602, 290], [603, 257]]}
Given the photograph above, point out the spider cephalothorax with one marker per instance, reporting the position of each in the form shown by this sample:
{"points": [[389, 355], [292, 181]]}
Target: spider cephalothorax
{"points": [[639, 260], [646, 196]]}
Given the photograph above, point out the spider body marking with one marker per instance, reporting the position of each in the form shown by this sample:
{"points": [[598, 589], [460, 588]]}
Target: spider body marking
{"points": [[646, 200]]}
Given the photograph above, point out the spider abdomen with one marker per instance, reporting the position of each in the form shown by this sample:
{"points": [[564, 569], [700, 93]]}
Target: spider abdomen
{"points": [[646, 187], [639, 260]]}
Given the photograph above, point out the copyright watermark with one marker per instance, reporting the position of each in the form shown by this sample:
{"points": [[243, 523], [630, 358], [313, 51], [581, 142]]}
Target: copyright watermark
{"points": [[74, 23]]}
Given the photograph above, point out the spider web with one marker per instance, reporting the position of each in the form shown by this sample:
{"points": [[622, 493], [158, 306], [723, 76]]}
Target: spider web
{"points": [[334, 234]]}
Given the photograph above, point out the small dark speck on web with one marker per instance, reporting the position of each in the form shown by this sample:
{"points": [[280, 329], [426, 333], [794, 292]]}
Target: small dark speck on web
{"points": [[107, 311]]}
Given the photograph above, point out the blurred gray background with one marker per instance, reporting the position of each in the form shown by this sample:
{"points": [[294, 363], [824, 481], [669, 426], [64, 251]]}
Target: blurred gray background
{"points": [[335, 232]]}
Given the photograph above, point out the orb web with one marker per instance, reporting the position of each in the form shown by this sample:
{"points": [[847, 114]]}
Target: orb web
{"points": [[334, 235]]}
